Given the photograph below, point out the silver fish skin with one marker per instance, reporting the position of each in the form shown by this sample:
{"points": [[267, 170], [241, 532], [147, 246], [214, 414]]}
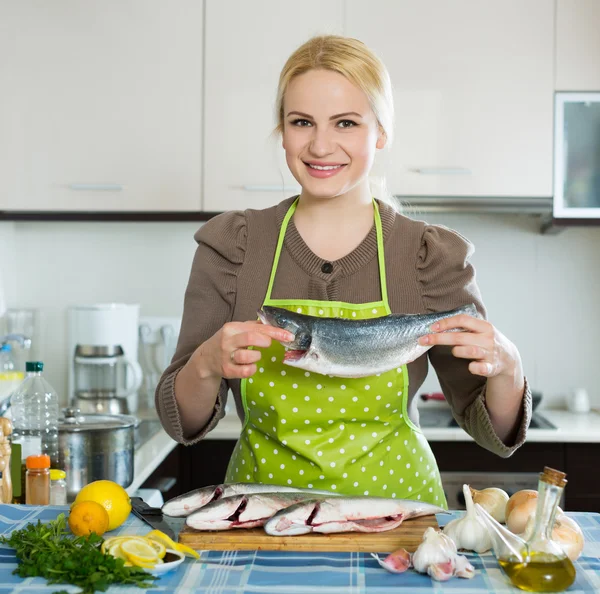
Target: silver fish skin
{"points": [[354, 348], [187, 503], [347, 514], [242, 511]]}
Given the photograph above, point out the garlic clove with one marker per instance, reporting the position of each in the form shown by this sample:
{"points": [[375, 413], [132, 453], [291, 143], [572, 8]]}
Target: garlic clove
{"points": [[397, 562], [442, 572], [493, 500], [435, 548], [463, 568]]}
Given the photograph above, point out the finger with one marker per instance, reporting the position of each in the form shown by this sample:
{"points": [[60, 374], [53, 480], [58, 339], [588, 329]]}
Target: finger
{"points": [[244, 356], [239, 371], [470, 352], [483, 368], [455, 339], [461, 321], [277, 333]]}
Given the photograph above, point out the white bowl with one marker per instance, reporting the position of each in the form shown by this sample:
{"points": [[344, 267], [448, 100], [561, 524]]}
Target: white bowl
{"points": [[162, 568]]}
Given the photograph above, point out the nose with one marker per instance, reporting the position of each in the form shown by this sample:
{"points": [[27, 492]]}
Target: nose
{"points": [[321, 143]]}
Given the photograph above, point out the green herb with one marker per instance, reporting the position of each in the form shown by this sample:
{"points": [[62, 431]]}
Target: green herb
{"points": [[49, 551]]}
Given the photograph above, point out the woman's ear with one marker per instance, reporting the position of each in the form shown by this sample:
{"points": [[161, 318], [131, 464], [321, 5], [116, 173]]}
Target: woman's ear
{"points": [[381, 140]]}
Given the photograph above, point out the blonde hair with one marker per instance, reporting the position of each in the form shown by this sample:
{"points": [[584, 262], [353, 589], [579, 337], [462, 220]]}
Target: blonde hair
{"points": [[354, 60]]}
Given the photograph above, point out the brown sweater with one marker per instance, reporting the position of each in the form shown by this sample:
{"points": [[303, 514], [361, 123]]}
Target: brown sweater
{"points": [[427, 269]]}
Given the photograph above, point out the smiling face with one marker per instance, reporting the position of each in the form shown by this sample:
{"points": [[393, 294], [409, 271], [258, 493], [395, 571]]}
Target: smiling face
{"points": [[330, 134]]}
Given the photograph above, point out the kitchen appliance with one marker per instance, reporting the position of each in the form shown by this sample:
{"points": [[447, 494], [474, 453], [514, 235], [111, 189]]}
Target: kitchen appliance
{"points": [[104, 373], [94, 447]]}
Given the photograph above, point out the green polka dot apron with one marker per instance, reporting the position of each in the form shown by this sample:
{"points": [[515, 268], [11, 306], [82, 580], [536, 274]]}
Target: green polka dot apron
{"points": [[351, 436]]}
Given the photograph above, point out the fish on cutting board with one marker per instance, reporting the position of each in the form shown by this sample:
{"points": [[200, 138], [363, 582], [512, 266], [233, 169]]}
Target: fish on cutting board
{"points": [[243, 511], [346, 514], [354, 348], [187, 503]]}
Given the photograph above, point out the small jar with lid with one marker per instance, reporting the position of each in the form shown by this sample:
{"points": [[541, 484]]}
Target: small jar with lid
{"points": [[58, 487], [37, 480]]}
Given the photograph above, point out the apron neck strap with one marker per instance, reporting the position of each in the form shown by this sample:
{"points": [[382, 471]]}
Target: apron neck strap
{"points": [[380, 252]]}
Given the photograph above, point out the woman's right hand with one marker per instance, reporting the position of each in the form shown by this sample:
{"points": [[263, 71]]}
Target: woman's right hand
{"points": [[226, 353]]}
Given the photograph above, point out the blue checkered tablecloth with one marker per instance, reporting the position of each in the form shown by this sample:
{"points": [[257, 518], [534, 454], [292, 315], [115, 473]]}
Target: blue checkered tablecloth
{"points": [[266, 572]]}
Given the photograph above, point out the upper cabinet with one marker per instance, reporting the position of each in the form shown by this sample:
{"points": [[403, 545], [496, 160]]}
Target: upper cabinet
{"points": [[101, 105], [246, 48], [577, 45], [473, 86]]}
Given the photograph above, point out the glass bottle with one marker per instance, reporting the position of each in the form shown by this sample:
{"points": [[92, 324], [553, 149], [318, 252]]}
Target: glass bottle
{"points": [[538, 564], [58, 487], [37, 480]]}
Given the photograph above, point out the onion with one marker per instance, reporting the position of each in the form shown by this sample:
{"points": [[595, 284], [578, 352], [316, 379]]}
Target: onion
{"points": [[518, 498], [493, 501], [519, 515], [566, 533]]}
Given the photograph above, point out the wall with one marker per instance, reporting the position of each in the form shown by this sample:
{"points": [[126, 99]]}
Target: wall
{"points": [[541, 291]]}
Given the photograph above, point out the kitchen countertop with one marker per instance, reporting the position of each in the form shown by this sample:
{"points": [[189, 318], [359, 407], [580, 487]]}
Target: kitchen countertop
{"points": [[571, 427], [274, 572]]}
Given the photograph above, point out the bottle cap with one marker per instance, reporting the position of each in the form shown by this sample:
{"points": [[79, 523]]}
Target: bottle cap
{"points": [[56, 474], [6, 347], [553, 477], [41, 461], [34, 366]]}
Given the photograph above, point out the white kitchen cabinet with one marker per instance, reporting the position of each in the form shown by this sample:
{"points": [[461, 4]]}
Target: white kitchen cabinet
{"points": [[577, 45], [247, 44], [101, 105], [473, 88]]}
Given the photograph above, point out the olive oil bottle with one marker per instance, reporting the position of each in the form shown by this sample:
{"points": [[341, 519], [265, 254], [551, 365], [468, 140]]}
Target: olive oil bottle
{"points": [[538, 564]]}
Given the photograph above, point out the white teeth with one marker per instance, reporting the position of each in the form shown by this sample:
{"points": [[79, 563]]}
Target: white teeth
{"points": [[326, 168]]}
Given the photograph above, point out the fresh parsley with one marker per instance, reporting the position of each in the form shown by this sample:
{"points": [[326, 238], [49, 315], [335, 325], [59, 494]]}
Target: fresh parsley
{"points": [[50, 551]]}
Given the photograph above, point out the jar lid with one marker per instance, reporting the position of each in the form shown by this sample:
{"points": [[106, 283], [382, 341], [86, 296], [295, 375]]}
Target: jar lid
{"points": [[74, 421], [56, 474], [41, 461]]}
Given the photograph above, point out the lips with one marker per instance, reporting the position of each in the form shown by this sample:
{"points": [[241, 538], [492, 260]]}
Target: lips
{"points": [[323, 170]]}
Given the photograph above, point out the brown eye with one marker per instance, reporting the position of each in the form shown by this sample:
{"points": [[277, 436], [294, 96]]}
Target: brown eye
{"points": [[346, 124], [301, 123]]}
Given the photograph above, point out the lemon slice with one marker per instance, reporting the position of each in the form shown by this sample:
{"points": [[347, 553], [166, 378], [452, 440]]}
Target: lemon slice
{"points": [[161, 537], [115, 551], [187, 551], [107, 544], [139, 553], [159, 547]]}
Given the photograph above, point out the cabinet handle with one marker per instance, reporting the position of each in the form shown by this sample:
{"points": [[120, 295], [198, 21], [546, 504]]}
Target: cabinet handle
{"points": [[270, 188], [442, 171], [97, 187]]}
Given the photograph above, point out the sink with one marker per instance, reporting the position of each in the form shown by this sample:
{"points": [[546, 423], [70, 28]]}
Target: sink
{"points": [[442, 418]]}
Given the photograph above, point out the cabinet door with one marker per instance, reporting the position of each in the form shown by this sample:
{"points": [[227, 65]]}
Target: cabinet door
{"points": [[101, 105], [578, 45], [247, 44], [473, 88]]}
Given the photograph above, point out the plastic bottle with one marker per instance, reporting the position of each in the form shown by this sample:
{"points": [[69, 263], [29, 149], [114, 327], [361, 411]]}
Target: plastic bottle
{"points": [[10, 377], [58, 487], [34, 407], [37, 480]]}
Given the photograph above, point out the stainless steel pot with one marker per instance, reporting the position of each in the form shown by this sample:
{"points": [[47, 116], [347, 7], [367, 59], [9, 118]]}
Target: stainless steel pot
{"points": [[94, 447]]}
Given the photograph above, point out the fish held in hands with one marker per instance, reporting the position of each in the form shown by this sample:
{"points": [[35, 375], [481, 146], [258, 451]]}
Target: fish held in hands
{"points": [[346, 514], [354, 348]]}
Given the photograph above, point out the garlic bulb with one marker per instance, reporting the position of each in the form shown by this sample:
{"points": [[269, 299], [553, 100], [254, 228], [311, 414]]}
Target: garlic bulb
{"points": [[469, 532], [566, 533], [493, 500], [435, 555]]}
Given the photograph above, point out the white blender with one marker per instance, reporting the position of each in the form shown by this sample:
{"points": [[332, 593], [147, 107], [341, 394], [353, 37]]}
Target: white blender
{"points": [[104, 373]]}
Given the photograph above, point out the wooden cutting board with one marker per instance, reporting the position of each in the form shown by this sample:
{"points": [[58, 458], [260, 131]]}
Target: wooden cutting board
{"points": [[408, 536]]}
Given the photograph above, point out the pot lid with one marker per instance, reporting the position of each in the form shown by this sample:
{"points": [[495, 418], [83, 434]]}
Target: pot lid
{"points": [[73, 420]]}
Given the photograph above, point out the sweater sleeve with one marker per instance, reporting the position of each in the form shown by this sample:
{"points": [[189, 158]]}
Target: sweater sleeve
{"points": [[447, 280], [209, 303]]}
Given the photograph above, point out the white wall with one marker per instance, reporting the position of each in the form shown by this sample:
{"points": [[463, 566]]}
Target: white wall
{"points": [[541, 291]]}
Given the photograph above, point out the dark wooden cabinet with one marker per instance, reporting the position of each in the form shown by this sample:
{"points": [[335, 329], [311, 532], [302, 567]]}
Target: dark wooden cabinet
{"points": [[205, 463]]}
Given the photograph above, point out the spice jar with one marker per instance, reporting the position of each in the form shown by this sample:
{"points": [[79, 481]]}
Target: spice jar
{"points": [[58, 487], [37, 480]]}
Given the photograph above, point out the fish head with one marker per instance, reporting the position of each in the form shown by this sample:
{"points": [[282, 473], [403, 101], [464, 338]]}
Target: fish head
{"points": [[299, 325]]}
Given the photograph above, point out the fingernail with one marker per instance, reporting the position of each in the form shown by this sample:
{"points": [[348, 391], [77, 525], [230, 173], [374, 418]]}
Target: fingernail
{"points": [[424, 340], [435, 326]]}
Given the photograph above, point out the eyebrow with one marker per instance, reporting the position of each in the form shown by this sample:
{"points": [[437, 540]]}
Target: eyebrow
{"points": [[333, 117]]}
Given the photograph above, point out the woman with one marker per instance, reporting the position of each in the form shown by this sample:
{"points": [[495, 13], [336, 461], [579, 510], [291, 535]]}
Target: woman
{"points": [[334, 251]]}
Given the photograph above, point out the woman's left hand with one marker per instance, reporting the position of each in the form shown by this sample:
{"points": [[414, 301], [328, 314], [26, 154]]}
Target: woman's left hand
{"points": [[491, 352]]}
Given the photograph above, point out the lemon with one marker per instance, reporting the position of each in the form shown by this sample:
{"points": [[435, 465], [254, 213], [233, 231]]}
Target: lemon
{"points": [[139, 553], [159, 547], [110, 495], [161, 537], [107, 544], [187, 551], [115, 551]]}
